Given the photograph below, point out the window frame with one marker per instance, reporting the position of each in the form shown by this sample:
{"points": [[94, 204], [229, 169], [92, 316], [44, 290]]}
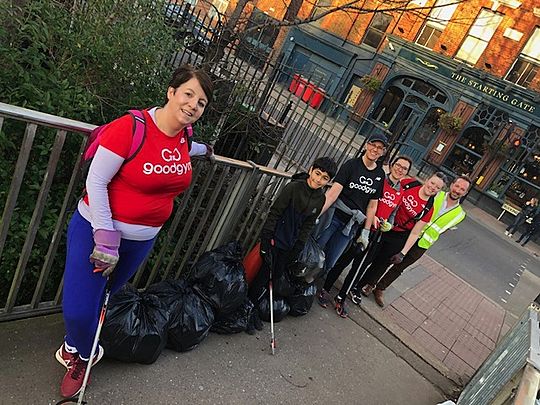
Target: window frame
{"points": [[478, 38], [526, 58], [371, 29]]}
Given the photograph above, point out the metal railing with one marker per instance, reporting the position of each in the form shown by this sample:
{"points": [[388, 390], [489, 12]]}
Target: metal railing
{"points": [[311, 122], [227, 200], [511, 373]]}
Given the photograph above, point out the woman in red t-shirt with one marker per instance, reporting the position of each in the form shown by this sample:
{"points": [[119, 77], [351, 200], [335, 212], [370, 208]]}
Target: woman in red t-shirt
{"points": [[412, 215], [126, 203]]}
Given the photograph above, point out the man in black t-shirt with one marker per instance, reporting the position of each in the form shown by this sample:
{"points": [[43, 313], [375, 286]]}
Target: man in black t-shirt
{"points": [[352, 202]]}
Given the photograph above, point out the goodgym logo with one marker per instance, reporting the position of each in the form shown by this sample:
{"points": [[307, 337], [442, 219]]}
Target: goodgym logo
{"points": [[172, 166]]}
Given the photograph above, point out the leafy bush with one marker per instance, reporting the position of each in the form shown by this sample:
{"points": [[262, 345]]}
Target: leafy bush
{"points": [[90, 64]]}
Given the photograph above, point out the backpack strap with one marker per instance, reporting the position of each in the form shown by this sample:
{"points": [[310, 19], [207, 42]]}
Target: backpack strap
{"points": [[138, 133], [414, 183]]}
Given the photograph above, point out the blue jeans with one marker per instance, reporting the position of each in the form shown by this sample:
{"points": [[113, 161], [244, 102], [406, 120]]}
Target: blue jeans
{"points": [[333, 242], [83, 289]]}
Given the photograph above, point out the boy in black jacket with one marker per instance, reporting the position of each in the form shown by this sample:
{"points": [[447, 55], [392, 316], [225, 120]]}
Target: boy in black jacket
{"points": [[290, 222]]}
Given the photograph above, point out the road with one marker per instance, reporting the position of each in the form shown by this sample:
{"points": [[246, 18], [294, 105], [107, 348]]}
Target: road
{"points": [[494, 264]]}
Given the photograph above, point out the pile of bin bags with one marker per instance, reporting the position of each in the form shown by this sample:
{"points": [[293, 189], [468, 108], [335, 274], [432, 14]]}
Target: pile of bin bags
{"points": [[294, 291], [179, 314]]}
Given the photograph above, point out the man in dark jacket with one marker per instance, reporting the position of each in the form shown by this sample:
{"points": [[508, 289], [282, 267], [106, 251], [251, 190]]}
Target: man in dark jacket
{"points": [[532, 229]]}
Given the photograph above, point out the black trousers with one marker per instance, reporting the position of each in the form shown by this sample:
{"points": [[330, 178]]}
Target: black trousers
{"points": [[518, 221], [360, 259], [396, 270], [528, 234], [391, 243]]}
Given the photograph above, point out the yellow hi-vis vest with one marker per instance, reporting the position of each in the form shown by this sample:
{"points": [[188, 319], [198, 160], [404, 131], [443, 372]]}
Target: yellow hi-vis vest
{"points": [[440, 223]]}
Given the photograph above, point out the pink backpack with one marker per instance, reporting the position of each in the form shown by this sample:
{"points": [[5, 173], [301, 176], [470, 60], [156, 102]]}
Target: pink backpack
{"points": [[138, 133]]}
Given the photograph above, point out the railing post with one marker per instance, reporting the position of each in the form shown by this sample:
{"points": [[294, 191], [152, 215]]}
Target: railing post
{"points": [[236, 204], [36, 219], [20, 168]]}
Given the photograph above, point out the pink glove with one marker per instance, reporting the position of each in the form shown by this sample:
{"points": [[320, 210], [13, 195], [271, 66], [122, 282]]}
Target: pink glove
{"points": [[105, 254]]}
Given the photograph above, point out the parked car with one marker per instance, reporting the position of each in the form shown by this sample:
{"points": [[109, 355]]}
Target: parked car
{"points": [[192, 32]]}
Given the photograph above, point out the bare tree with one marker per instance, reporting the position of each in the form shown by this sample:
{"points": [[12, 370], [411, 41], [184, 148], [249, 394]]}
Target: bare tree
{"points": [[235, 26]]}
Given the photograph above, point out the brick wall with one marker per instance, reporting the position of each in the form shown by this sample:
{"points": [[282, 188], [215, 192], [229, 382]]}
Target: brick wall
{"points": [[497, 59]]}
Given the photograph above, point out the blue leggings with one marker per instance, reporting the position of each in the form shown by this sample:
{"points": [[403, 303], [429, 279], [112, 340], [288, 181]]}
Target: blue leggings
{"points": [[83, 289]]}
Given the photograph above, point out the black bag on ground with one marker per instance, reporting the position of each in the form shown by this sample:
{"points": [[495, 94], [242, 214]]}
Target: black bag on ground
{"points": [[218, 277], [310, 263], [283, 285], [302, 300], [190, 316], [235, 322], [281, 308], [135, 328]]}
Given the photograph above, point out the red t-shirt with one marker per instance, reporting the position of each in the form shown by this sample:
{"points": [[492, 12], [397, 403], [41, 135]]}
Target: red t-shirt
{"points": [[390, 199], [143, 190], [410, 207]]}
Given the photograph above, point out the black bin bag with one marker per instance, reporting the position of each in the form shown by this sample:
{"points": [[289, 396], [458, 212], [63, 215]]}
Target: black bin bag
{"points": [[190, 316], [236, 321], [310, 263], [302, 300], [281, 308], [135, 328], [218, 277]]}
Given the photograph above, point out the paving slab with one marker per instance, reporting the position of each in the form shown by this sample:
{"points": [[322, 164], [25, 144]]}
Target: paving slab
{"points": [[450, 324]]}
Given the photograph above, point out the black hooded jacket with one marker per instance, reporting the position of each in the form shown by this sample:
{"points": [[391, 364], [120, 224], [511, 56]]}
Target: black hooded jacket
{"points": [[292, 216]]}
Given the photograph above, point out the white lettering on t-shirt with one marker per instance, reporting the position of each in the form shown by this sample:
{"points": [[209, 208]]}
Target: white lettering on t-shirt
{"points": [[172, 157], [362, 187], [389, 199], [410, 204]]}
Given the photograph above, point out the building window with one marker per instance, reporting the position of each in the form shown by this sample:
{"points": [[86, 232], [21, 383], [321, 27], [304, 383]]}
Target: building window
{"points": [[219, 7], [321, 6], [440, 15], [388, 106], [475, 140], [428, 36], [526, 66], [519, 179], [479, 36], [376, 30], [468, 151]]}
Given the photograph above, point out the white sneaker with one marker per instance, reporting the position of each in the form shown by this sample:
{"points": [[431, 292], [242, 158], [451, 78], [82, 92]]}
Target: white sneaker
{"points": [[506, 233]]}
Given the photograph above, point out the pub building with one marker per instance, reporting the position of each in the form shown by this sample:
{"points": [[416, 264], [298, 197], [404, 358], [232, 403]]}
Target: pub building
{"points": [[498, 143]]}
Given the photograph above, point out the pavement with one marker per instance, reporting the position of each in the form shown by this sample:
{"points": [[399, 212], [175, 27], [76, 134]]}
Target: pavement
{"points": [[449, 323], [421, 348]]}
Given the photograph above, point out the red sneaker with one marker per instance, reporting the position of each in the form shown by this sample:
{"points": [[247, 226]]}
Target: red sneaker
{"points": [[66, 358], [73, 379]]}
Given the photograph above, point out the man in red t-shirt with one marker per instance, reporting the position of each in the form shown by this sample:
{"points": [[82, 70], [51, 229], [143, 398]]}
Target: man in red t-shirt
{"points": [[412, 215]]}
